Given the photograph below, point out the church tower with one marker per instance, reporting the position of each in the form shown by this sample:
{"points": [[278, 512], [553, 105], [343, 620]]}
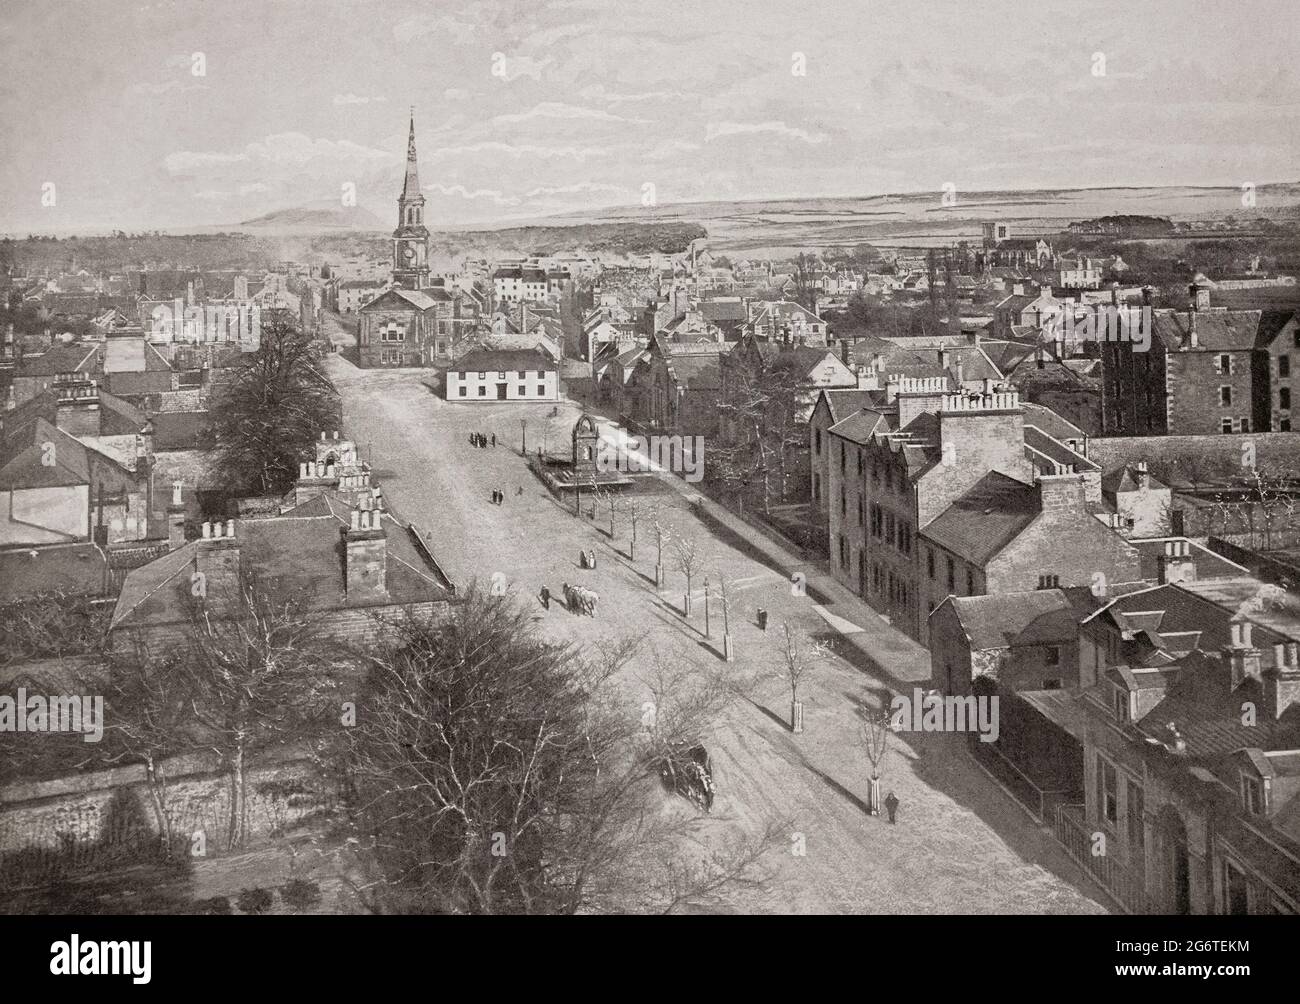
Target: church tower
{"points": [[411, 238]]}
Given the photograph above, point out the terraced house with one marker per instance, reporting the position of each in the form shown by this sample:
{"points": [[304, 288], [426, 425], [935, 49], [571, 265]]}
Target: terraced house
{"points": [[934, 493]]}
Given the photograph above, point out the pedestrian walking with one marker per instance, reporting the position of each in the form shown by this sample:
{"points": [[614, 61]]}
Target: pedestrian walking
{"points": [[501, 496], [762, 619], [546, 598], [891, 805], [519, 491], [494, 439]]}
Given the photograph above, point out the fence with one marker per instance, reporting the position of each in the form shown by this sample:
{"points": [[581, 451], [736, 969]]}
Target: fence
{"points": [[1041, 802], [1127, 889]]}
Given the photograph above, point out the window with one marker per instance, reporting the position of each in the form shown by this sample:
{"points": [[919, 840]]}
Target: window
{"points": [[1133, 814], [844, 458], [952, 577], [1049, 581], [482, 392], [1245, 425], [462, 391], [1284, 425], [1107, 795], [817, 441], [1053, 683], [1252, 795], [1236, 891], [1225, 363], [523, 391], [1121, 704], [1284, 365], [1284, 397], [482, 375], [859, 511], [929, 562], [859, 463], [844, 502], [1225, 425], [1225, 397], [970, 583], [541, 390], [1052, 655]]}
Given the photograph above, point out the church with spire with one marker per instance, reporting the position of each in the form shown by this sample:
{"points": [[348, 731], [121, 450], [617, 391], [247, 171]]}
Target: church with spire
{"points": [[411, 238]]}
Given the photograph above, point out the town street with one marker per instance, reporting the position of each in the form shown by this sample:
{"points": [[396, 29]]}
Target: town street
{"points": [[960, 845]]}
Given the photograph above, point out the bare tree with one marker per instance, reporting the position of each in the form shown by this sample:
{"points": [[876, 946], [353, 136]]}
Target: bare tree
{"points": [[687, 554], [875, 732], [500, 772], [801, 652], [262, 676]]}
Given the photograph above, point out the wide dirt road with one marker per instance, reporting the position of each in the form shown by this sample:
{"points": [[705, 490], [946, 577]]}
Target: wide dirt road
{"points": [[961, 844]]}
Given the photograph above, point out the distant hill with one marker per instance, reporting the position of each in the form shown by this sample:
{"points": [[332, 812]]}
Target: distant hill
{"points": [[315, 218]]}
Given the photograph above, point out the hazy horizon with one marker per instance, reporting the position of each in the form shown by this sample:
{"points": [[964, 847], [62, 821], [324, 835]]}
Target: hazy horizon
{"points": [[525, 112]]}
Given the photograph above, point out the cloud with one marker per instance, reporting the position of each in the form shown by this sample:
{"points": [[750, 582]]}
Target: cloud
{"points": [[513, 67], [522, 150], [289, 149], [356, 99], [717, 130], [582, 186], [559, 110], [482, 193]]}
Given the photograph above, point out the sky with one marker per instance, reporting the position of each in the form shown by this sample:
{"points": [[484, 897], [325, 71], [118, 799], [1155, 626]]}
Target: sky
{"points": [[175, 114]]}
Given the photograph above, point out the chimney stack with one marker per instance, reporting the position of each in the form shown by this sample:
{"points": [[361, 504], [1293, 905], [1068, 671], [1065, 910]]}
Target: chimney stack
{"points": [[365, 559], [176, 517], [1242, 657], [1282, 681], [1176, 563], [217, 559]]}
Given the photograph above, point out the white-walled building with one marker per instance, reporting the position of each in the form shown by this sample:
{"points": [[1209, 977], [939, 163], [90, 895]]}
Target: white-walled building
{"points": [[503, 375]]}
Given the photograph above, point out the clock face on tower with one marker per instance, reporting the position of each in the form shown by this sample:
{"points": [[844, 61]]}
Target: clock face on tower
{"points": [[410, 253]]}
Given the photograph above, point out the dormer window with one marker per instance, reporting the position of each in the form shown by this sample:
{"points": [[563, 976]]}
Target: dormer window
{"points": [[1121, 704], [1252, 795]]}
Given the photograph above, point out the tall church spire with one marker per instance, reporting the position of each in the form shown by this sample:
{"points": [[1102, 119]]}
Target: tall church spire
{"points": [[411, 239], [411, 188]]}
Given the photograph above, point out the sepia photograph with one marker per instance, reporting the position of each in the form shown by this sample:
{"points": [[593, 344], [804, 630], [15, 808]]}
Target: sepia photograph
{"points": [[667, 459]]}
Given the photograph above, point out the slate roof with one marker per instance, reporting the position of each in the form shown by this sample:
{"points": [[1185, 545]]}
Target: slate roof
{"points": [[75, 569], [1216, 330], [861, 425], [485, 360], [76, 357], [296, 556], [1005, 620], [23, 450], [986, 518]]}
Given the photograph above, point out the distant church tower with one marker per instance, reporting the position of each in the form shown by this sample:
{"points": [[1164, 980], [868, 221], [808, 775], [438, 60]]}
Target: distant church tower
{"points": [[411, 238]]}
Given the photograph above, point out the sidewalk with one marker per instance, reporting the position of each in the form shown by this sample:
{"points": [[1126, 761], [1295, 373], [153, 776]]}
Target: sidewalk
{"points": [[898, 659]]}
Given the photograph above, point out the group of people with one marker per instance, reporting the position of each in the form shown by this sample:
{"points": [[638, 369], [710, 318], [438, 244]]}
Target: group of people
{"points": [[482, 439], [498, 496], [587, 559]]}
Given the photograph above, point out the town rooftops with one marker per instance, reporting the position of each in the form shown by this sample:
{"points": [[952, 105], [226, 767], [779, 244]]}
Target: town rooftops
{"points": [[1216, 330], [986, 518], [1005, 620], [296, 557], [76, 357], [484, 360], [70, 569]]}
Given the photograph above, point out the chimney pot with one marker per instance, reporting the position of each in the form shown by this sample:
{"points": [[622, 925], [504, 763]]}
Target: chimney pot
{"points": [[1291, 654], [356, 519], [1279, 654], [207, 530], [230, 528]]}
